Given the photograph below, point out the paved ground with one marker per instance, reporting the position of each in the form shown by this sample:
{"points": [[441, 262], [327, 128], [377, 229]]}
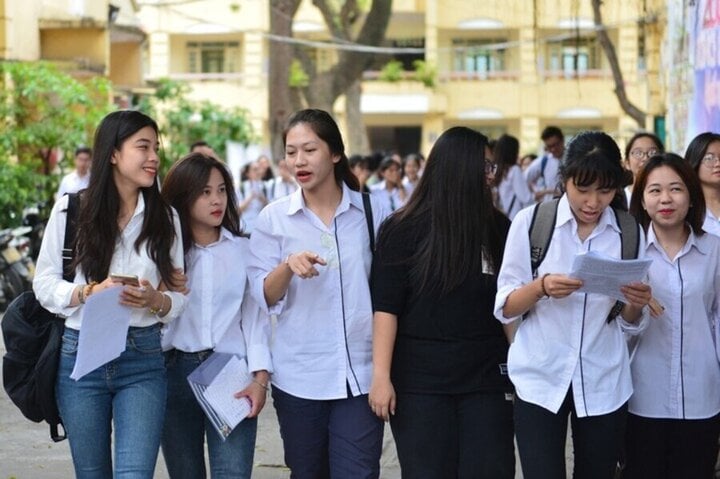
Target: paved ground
{"points": [[26, 451]]}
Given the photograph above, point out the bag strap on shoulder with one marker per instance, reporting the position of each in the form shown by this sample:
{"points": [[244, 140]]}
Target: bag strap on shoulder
{"points": [[367, 206], [68, 252], [541, 230]]}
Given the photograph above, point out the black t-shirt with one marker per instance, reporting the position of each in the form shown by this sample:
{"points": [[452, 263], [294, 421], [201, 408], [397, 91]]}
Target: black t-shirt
{"points": [[447, 344]]}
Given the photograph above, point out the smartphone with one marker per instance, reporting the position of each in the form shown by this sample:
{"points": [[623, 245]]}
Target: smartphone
{"points": [[127, 279]]}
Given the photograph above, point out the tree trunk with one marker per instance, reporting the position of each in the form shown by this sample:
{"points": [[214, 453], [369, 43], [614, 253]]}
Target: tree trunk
{"points": [[280, 104], [357, 141], [628, 107]]}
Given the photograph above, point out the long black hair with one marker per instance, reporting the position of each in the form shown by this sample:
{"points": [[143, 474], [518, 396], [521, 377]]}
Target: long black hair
{"points": [[452, 196], [185, 182], [594, 156], [98, 228], [327, 130], [505, 153]]}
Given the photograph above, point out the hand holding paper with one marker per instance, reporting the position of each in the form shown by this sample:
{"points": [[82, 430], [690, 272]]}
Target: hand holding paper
{"points": [[606, 275]]}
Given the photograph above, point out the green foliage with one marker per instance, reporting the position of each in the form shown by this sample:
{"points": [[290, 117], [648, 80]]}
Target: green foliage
{"points": [[183, 121], [392, 71], [298, 77], [425, 73], [42, 110], [21, 184]]}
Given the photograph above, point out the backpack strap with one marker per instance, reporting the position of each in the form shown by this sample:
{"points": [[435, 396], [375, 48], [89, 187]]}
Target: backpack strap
{"points": [[629, 244], [541, 230], [369, 218], [543, 164], [68, 252]]}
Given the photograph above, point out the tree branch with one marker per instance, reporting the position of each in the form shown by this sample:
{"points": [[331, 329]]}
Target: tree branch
{"points": [[628, 107]]}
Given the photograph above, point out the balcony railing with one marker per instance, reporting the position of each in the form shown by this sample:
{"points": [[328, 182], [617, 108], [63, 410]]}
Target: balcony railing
{"points": [[572, 75], [235, 76]]}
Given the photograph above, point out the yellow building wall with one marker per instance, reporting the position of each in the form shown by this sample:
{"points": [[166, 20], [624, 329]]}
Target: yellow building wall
{"points": [[75, 44], [125, 64]]}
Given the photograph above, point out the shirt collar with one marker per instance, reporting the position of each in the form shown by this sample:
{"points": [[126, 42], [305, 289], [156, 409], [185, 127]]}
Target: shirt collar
{"points": [[565, 215], [692, 241], [297, 201]]}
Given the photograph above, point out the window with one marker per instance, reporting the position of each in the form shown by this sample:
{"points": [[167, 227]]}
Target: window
{"points": [[574, 56], [213, 57], [478, 56], [407, 59]]}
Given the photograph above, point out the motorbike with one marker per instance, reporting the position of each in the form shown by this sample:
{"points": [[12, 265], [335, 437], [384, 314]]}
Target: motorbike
{"points": [[17, 267]]}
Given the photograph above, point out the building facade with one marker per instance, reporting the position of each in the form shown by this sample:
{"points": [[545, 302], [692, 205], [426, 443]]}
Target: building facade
{"points": [[500, 66]]}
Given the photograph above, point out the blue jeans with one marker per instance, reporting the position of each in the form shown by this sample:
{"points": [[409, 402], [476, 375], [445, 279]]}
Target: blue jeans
{"points": [[186, 427], [338, 439], [129, 392]]}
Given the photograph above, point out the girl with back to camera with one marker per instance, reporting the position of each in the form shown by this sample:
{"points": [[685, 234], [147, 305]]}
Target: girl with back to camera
{"points": [[641, 147], [674, 419], [438, 353], [123, 226], [569, 356], [513, 191], [703, 154], [310, 265], [221, 315]]}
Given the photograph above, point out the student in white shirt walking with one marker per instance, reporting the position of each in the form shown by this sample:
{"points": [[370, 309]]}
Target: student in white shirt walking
{"points": [[569, 356], [674, 419], [221, 315], [79, 178], [125, 227], [310, 265], [513, 191], [641, 147], [283, 184], [703, 154], [390, 191], [542, 175]]}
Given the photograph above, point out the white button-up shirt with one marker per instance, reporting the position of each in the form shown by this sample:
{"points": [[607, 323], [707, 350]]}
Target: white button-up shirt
{"points": [[543, 179], [675, 367], [221, 314], [323, 337], [390, 200], [514, 193], [711, 224], [55, 294], [568, 341]]}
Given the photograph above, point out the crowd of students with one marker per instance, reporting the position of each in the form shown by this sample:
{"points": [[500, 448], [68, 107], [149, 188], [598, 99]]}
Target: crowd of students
{"points": [[417, 303]]}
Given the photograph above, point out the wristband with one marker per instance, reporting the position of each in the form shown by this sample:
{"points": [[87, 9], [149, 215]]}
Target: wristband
{"points": [[264, 386], [287, 259], [542, 285], [156, 309]]}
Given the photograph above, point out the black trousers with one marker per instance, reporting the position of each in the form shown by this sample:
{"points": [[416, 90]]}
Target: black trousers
{"points": [[454, 436], [541, 437], [671, 448]]}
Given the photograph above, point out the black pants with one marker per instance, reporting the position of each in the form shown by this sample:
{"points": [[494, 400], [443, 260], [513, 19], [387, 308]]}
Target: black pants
{"points": [[454, 436], [541, 439], [671, 448]]}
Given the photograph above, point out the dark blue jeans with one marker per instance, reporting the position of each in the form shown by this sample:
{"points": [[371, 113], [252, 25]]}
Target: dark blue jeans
{"points": [[337, 439], [186, 428], [462, 436], [129, 392], [541, 435]]}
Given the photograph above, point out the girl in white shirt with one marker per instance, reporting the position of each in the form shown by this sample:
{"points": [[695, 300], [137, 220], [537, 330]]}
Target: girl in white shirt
{"points": [[674, 419], [703, 154], [310, 265], [221, 315], [569, 356], [513, 191], [125, 227], [641, 147]]}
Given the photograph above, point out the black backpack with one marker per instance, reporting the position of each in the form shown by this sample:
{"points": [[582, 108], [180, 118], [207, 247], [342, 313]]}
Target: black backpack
{"points": [[542, 226], [33, 337]]}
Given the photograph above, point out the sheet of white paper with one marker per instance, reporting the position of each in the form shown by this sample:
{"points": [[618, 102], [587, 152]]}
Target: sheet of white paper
{"points": [[103, 333], [604, 274], [233, 377]]}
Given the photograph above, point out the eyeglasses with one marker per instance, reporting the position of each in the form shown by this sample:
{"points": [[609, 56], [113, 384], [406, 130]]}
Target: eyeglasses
{"points": [[710, 160], [638, 154], [490, 168]]}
